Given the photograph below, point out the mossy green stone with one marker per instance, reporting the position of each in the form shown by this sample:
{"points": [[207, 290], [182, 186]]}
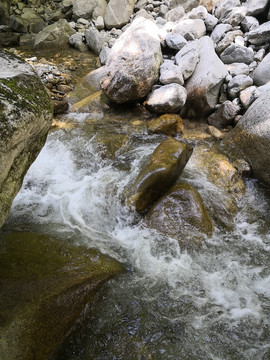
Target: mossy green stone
{"points": [[45, 284], [159, 173]]}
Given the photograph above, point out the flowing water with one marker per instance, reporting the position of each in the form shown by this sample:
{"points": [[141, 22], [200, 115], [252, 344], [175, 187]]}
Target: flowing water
{"points": [[207, 302]]}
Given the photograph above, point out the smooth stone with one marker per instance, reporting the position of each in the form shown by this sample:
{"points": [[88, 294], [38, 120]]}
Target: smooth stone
{"points": [[262, 73], [224, 115], [237, 84], [259, 55], [131, 77], [204, 85], [159, 173], [26, 115], [251, 137], [103, 55], [94, 77], [170, 73], [99, 23], [216, 133], [168, 124], [237, 53], [187, 58], [181, 213], [168, 98]]}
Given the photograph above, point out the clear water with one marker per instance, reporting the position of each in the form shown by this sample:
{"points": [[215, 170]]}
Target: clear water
{"points": [[211, 302]]}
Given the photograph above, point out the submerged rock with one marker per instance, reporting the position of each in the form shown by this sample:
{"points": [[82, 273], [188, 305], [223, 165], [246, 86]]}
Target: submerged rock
{"points": [[45, 286], [180, 212], [159, 173], [251, 137], [133, 63], [168, 124], [26, 114]]}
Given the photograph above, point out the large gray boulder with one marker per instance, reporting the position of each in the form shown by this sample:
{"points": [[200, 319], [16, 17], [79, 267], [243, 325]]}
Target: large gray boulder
{"points": [[25, 118], [88, 9], [133, 63], [54, 36], [262, 73], [204, 85], [118, 13], [251, 137]]}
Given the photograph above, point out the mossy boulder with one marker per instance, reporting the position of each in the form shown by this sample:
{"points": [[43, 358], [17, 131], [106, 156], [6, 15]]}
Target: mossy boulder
{"points": [[228, 185], [180, 212], [169, 124], [160, 172], [45, 285], [25, 118]]}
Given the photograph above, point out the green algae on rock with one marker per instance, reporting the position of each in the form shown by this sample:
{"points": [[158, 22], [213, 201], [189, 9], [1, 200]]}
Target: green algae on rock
{"points": [[45, 285], [169, 124], [25, 118], [180, 212], [159, 173]]}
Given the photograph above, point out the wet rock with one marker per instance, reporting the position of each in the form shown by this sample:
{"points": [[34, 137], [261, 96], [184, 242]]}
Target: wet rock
{"points": [[225, 5], [255, 7], [131, 76], [249, 95], [168, 98], [94, 77], [237, 53], [190, 29], [204, 85], [110, 144], [26, 115], [46, 284], [180, 212], [262, 73], [169, 124], [251, 137], [175, 41], [224, 115], [170, 73], [227, 185], [54, 36], [118, 13], [216, 133], [259, 35], [187, 58], [95, 103], [60, 106], [159, 173], [237, 84]]}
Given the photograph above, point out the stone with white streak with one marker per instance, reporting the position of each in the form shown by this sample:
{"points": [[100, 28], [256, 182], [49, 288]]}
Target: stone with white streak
{"points": [[204, 85], [167, 99], [133, 63], [187, 58], [170, 73]]}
